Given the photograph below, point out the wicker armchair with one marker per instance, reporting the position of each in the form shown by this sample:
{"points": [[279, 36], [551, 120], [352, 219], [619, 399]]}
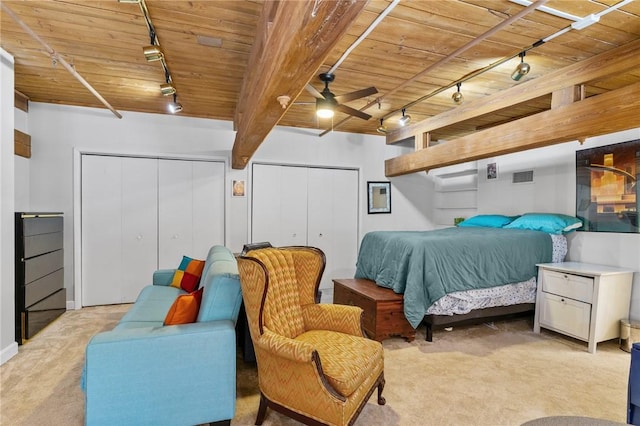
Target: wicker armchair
{"points": [[314, 363]]}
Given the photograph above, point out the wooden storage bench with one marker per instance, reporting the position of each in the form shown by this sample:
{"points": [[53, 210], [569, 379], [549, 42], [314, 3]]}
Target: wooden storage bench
{"points": [[383, 309]]}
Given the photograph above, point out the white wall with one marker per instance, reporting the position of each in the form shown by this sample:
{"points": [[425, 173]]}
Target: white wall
{"points": [[8, 346], [21, 166], [554, 190], [57, 130], [45, 182]]}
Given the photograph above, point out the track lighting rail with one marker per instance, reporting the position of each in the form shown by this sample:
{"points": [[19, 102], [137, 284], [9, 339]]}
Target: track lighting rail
{"points": [[448, 58], [155, 53], [57, 58]]}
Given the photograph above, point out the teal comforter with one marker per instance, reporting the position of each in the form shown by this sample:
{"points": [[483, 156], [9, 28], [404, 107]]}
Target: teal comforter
{"points": [[429, 264]]}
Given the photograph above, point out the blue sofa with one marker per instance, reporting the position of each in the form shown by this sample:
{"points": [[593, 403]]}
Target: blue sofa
{"points": [[144, 373]]}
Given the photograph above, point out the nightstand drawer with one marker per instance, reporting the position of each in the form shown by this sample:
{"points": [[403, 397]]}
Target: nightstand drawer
{"points": [[565, 315], [568, 285]]}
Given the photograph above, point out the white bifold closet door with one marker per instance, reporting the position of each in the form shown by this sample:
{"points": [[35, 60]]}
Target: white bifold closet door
{"points": [[333, 220], [142, 214], [190, 209], [119, 227], [293, 205], [279, 205]]}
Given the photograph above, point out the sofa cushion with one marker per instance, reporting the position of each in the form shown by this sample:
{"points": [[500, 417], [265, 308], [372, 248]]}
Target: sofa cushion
{"points": [[221, 298], [216, 254], [187, 276], [137, 324], [344, 357], [154, 292], [184, 309], [154, 310]]}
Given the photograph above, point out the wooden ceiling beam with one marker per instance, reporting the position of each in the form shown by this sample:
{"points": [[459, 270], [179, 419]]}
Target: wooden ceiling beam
{"points": [[614, 61], [293, 40], [609, 112]]}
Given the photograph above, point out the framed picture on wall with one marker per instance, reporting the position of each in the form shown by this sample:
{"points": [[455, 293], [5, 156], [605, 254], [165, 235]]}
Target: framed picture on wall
{"points": [[238, 188], [607, 190], [379, 197], [492, 171]]}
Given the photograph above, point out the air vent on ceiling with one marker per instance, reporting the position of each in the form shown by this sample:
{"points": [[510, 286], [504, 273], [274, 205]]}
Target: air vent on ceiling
{"points": [[523, 177]]}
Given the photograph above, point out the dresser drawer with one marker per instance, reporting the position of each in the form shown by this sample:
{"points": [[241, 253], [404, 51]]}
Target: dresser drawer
{"points": [[39, 266], [565, 315], [43, 287], [568, 285]]}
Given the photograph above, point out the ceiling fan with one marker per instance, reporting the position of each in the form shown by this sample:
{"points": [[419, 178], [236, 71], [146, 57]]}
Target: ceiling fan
{"points": [[327, 102]]}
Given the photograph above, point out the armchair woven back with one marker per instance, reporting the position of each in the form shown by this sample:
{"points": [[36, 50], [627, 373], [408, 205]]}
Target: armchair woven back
{"points": [[279, 281]]}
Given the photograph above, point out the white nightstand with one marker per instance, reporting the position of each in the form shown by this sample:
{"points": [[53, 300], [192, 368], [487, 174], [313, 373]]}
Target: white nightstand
{"points": [[582, 300]]}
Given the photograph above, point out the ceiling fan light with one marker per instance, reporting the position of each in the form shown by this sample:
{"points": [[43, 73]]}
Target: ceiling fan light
{"points": [[152, 53], [167, 89], [324, 113], [324, 108]]}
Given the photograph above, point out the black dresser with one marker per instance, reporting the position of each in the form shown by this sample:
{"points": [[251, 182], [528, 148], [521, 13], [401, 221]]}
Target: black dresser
{"points": [[40, 293]]}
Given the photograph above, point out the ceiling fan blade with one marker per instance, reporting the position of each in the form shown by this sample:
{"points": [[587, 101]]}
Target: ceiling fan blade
{"points": [[314, 91], [356, 95], [352, 111]]}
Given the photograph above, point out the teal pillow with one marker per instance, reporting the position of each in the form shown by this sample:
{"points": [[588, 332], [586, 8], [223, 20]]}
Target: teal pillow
{"points": [[488, 220], [552, 223]]}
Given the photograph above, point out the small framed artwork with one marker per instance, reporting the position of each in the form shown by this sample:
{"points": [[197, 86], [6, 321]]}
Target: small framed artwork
{"points": [[238, 188], [492, 171], [379, 197]]}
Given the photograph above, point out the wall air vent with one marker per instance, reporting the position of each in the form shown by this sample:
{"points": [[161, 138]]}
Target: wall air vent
{"points": [[523, 177]]}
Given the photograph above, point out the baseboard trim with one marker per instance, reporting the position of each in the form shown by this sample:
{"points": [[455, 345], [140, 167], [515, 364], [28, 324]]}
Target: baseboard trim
{"points": [[9, 352], [71, 305]]}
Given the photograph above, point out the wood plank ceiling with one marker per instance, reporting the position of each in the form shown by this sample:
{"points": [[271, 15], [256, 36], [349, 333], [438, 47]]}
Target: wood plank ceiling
{"points": [[208, 44]]}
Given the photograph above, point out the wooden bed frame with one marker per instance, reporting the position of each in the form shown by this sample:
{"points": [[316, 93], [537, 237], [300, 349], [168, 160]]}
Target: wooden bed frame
{"points": [[476, 316]]}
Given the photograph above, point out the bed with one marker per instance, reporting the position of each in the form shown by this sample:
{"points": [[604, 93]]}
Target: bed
{"points": [[460, 274]]}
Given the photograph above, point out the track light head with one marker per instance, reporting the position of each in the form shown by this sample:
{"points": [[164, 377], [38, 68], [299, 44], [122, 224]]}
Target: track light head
{"points": [[382, 128], [152, 53], [405, 119], [175, 107], [521, 70], [167, 89], [458, 97]]}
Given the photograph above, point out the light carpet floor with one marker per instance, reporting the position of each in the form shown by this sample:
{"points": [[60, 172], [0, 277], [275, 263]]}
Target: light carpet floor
{"points": [[492, 374]]}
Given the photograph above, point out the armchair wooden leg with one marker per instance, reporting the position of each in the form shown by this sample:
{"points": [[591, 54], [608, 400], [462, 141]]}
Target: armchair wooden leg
{"points": [[262, 410], [381, 400]]}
